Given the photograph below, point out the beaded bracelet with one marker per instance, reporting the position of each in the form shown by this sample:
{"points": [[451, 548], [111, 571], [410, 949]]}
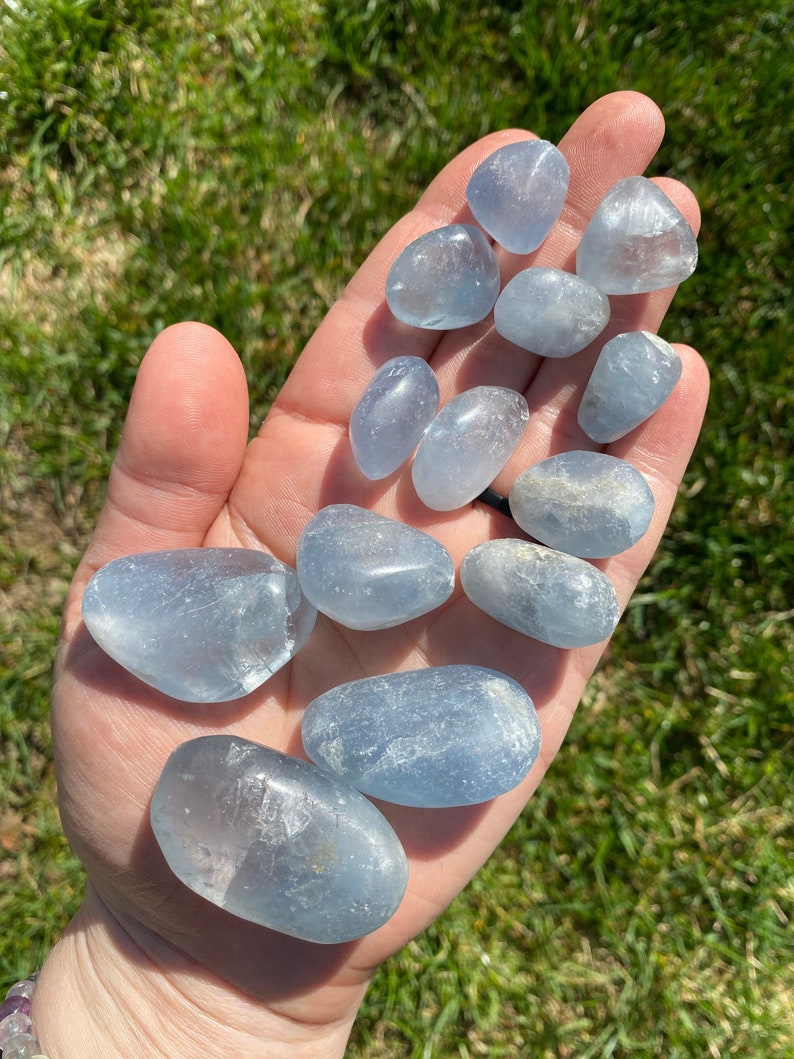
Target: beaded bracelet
{"points": [[17, 1040]]}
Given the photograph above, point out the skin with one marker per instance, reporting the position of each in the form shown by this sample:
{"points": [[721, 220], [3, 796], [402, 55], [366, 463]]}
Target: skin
{"points": [[147, 960]]}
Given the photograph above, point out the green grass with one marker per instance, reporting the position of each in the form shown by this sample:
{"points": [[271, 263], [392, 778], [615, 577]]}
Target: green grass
{"points": [[159, 162]]}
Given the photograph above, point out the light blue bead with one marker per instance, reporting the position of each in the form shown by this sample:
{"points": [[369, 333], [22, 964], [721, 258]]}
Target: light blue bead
{"points": [[449, 735], [392, 415], [277, 841], [367, 571], [588, 504], [518, 192], [199, 624], [446, 278]]}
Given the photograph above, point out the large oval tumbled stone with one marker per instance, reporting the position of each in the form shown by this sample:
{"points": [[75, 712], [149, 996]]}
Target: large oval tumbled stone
{"points": [[449, 735], [277, 841], [588, 504], [518, 192], [554, 597], [467, 445], [392, 415], [367, 571], [550, 312], [446, 278], [199, 624], [637, 241]]}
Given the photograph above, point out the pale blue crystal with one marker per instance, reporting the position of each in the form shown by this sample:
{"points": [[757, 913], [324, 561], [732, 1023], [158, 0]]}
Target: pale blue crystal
{"points": [[449, 735], [392, 415], [637, 241], [588, 504], [518, 192], [550, 312], [199, 624], [367, 571], [467, 445], [634, 375], [554, 597], [277, 841], [447, 278]]}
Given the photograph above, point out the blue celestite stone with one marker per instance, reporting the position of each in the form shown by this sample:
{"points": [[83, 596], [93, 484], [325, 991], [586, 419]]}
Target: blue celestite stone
{"points": [[550, 312], [518, 192], [446, 278], [554, 597], [392, 415], [199, 624], [588, 504], [277, 841], [449, 735], [467, 444], [370, 572], [634, 375], [637, 241]]}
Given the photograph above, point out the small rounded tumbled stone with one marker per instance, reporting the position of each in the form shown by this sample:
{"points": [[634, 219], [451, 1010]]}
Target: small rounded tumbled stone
{"points": [[550, 312], [444, 736], [367, 571], [277, 841], [554, 597], [588, 504], [199, 624], [634, 375], [392, 415], [446, 278], [518, 192], [467, 445]]}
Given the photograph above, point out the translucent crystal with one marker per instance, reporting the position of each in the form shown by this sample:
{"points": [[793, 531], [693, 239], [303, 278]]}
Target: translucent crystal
{"points": [[634, 375], [199, 624], [546, 594], [467, 444], [277, 841], [392, 415], [450, 735], [636, 241], [12, 1004], [23, 1046], [550, 312], [12, 1026], [370, 572], [444, 279], [518, 192], [588, 504]]}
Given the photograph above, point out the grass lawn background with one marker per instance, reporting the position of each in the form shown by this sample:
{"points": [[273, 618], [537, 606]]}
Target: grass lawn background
{"points": [[235, 163]]}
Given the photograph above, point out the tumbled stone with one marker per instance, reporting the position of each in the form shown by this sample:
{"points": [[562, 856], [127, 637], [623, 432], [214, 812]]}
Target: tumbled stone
{"points": [[277, 841], [634, 375], [637, 241], [199, 624], [467, 445], [551, 596], [367, 571], [518, 192], [392, 415], [550, 312], [444, 736], [446, 278]]}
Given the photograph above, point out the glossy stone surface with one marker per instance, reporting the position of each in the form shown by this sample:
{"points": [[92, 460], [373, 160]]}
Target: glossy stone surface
{"points": [[634, 375], [518, 192], [588, 504], [467, 444], [277, 841], [370, 572], [199, 624], [446, 278], [554, 597], [637, 241], [550, 312], [392, 415], [449, 735]]}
